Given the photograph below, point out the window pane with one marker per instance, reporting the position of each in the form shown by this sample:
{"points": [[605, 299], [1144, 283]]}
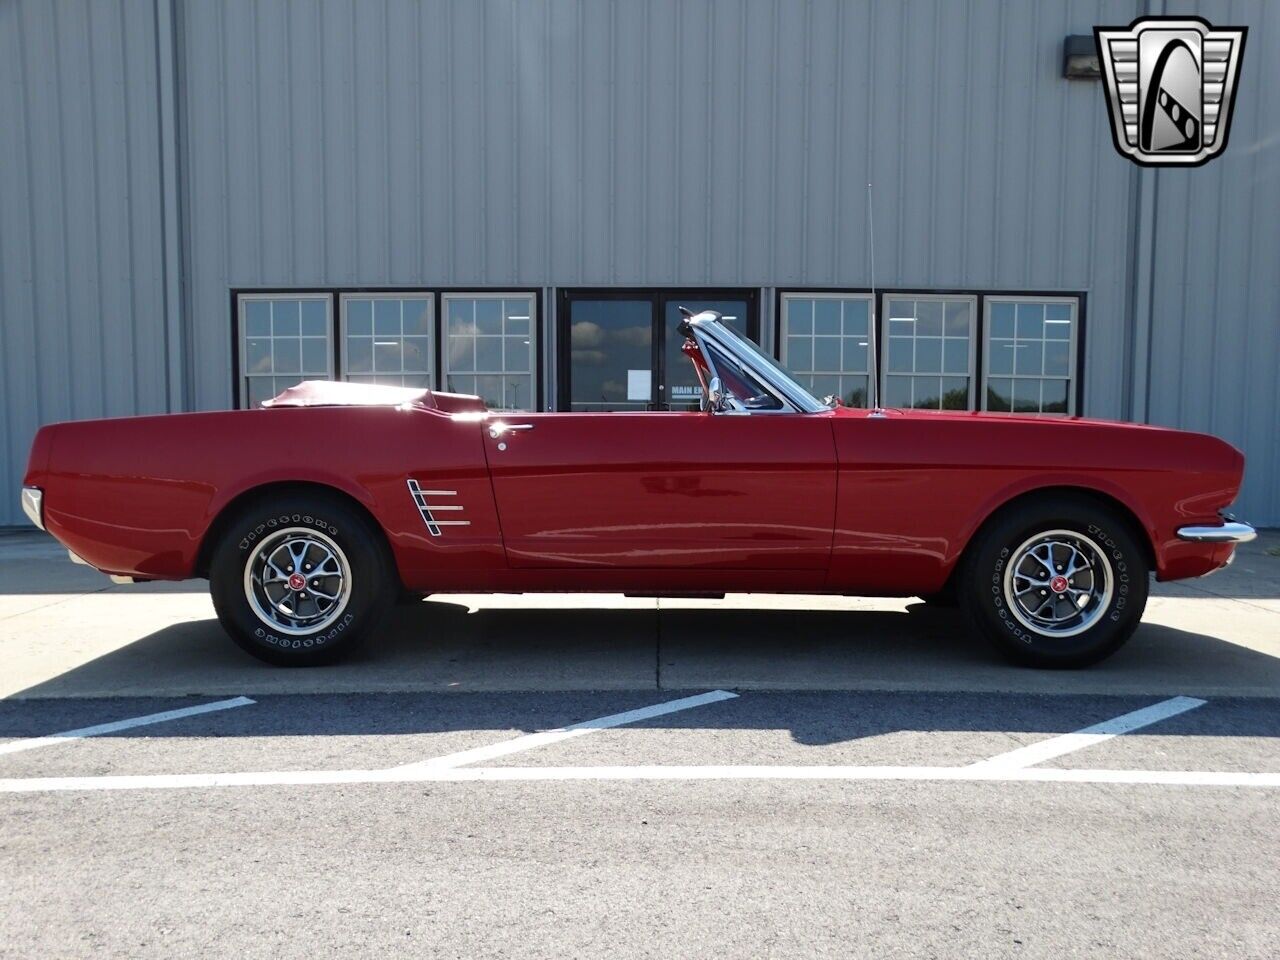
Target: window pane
{"points": [[1057, 315], [359, 354], [462, 316], [387, 354], [854, 391], [386, 318], [856, 313], [826, 317], [928, 355], [1001, 357], [957, 318], [1001, 320], [286, 355], [897, 392], [1028, 358], [1030, 321], [416, 354], [417, 317], [1026, 396], [999, 395], [258, 356], [260, 388], [926, 393], [955, 358], [257, 318], [489, 353], [313, 318], [929, 318], [515, 357], [519, 392], [955, 393], [284, 318], [800, 353], [490, 389], [489, 316], [462, 353], [826, 354], [315, 356], [1057, 358], [461, 384], [516, 316], [855, 354], [799, 316], [1054, 396], [359, 317], [900, 355]]}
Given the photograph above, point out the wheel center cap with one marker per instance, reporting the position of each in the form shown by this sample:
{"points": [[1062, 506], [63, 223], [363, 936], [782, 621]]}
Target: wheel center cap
{"points": [[1059, 584], [297, 581]]}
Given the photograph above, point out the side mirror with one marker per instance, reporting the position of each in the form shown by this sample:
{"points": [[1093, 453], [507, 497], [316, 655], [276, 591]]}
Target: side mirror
{"points": [[715, 395]]}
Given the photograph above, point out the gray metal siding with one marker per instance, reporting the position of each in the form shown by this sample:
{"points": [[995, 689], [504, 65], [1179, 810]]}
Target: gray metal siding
{"points": [[81, 300], [1215, 325], [542, 143]]}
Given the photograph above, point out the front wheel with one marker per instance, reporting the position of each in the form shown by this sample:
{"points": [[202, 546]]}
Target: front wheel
{"points": [[301, 579], [1056, 583]]}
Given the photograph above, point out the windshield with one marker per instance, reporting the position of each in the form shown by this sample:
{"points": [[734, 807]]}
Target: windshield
{"points": [[779, 373]]}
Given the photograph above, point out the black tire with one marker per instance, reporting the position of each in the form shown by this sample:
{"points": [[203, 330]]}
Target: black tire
{"points": [[315, 524], [998, 592]]}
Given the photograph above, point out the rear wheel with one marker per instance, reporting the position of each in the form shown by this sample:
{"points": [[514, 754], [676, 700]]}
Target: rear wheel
{"points": [[301, 579], [1056, 583]]}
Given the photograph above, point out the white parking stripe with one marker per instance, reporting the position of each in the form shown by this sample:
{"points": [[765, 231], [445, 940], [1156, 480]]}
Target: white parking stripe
{"points": [[1070, 742], [17, 746], [422, 774], [545, 737]]}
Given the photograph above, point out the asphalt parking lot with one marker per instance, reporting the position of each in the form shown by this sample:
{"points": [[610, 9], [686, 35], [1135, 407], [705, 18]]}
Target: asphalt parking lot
{"points": [[581, 776]]}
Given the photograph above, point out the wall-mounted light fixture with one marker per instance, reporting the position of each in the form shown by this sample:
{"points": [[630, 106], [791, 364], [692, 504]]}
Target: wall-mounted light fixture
{"points": [[1080, 58]]}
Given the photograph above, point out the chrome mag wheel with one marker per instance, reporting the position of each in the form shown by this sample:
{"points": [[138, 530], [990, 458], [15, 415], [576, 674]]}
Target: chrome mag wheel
{"points": [[298, 581], [1058, 583]]}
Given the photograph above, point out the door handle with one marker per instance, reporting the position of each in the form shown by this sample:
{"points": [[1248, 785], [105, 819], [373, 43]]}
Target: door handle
{"points": [[496, 430]]}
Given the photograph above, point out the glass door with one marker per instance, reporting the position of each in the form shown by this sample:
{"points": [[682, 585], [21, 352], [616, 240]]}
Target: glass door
{"points": [[620, 349]]}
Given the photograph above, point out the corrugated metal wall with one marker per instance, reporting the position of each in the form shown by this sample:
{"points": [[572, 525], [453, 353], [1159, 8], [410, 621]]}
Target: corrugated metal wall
{"points": [[81, 301], [547, 143], [1215, 303]]}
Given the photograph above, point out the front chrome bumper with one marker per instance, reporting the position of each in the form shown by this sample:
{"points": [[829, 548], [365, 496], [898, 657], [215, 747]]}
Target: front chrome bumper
{"points": [[33, 505], [1231, 531]]}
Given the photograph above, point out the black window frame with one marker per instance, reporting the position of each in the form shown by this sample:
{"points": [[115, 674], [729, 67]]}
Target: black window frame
{"points": [[656, 296], [434, 292], [980, 326]]}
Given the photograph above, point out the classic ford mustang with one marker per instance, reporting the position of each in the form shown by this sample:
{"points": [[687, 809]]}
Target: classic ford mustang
{"points": [[314, 514]]}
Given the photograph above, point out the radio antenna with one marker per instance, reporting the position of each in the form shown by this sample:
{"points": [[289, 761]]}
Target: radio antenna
{"points": [[873, 392]]}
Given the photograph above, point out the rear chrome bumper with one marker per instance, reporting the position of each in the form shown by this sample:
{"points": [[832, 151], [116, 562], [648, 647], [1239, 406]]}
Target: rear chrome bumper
{"points": [[33, 505], [1231, 531]]}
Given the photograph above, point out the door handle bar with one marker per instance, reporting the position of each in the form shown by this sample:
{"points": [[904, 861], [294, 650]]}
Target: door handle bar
{"points": [[496, 430]]}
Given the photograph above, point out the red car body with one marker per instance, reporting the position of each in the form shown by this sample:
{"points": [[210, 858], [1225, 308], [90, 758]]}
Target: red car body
{"points": [[841, 501]]}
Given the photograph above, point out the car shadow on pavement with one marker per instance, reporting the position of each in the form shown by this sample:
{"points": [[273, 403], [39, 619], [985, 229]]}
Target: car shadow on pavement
{"points": [[444, 646]]}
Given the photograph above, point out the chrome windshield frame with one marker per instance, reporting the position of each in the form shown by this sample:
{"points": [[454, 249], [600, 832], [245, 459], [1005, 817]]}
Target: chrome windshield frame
{"points": [[706, 327]]}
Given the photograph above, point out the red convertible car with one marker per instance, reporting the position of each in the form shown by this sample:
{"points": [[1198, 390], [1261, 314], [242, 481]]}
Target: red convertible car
{"points": [[313, 515]]}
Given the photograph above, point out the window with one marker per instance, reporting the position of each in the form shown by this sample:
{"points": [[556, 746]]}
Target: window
{"points": [[489, 348], [387, 338], [929, 351], [1030, 355], [824, 344], [284, 339]]}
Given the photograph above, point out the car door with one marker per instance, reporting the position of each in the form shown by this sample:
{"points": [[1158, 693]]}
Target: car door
{"points": [[664, 490]]}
